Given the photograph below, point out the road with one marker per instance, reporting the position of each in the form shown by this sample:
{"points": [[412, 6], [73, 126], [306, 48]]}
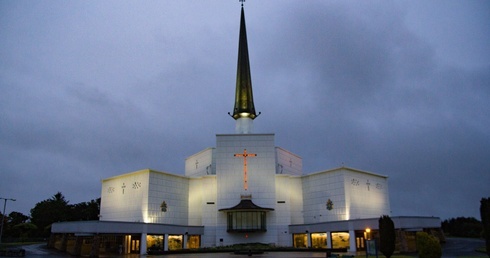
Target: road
{"points": [[458, 247]]}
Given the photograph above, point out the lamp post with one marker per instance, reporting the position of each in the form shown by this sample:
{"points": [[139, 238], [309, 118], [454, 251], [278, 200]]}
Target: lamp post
{"points": [[3, 214]]}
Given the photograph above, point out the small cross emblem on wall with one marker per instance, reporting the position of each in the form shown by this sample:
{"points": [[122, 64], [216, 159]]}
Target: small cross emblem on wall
{"points": [[368, 184], [123, 187]]}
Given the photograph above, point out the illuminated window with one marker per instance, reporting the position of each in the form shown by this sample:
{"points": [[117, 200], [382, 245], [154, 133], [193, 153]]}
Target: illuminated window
{"points": [[319, 240], [193, 241], [300, 240], [175, 242], [154, 243], [340, 240], [246, 221]]}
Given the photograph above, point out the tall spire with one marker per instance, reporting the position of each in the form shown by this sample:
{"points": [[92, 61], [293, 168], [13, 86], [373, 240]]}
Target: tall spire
{"points": [[244, 110]]}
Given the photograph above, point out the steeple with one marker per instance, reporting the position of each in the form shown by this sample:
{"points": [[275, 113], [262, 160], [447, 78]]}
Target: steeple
{"points": [[244, 110]]}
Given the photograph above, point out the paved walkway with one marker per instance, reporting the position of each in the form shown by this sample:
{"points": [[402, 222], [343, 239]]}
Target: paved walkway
{"points": [[454, 247]]}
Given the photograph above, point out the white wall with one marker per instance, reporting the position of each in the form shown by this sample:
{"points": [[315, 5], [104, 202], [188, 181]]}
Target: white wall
{"points": [[296, 198], [201, 163], [288, 162], [174, 190], [355, 194], [289, 206], [144, 192], [124, 197], [261, 182], [203, 208], [366, 195], [317, 189]]}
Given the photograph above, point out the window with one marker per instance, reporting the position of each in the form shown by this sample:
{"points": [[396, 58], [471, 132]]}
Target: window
{"points": [[193, 241], [340, 240], [246, 221], [319, 240], [175, 242], [300, 240], [154, 243]]}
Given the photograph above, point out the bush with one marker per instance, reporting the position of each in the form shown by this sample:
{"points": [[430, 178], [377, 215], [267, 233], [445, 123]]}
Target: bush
{"points": [[428, 246]]}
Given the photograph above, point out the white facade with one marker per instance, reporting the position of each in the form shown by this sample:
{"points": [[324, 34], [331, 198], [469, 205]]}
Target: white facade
{"points": [[355, 194], [138, 197], [215, 179]]}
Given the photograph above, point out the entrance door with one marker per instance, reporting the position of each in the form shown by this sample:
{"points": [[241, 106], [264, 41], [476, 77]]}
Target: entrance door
{"points": [[360, 241], [135, 246], [131, 244]]}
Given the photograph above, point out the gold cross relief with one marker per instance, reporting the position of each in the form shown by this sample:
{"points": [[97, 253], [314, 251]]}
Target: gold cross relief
{"points": [[245, 155]]}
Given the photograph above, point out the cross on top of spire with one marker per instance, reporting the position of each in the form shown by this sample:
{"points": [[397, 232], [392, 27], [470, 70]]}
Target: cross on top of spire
{"points": [[242, 1]]}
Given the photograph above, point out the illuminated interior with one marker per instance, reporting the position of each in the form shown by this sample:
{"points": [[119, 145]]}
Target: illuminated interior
{"points": [[193, 241], [319, 240], [300, 240], [175, 242], [340, 240], [154, 242]]}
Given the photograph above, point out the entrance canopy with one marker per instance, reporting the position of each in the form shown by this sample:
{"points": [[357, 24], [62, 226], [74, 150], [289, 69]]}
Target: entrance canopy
{"points": [[246, 205]]}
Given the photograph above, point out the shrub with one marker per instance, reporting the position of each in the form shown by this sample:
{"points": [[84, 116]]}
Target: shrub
{"points": [[428, 246]]}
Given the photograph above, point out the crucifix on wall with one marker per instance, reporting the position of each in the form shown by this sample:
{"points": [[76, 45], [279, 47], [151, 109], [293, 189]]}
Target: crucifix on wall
{"points": [[245, 155]]}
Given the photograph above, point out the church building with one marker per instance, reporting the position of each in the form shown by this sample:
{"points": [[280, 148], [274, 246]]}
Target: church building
{"points": [[246, 189]]}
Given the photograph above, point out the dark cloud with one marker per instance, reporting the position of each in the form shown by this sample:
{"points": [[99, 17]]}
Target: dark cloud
{"points": [[91, 90]]}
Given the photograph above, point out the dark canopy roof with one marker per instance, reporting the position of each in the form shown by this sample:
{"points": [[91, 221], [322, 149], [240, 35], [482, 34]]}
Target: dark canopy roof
{"points": [[246, 205]]}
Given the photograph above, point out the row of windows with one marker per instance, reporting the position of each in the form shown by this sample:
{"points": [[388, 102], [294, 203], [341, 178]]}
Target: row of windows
{"points": [[319, 240]]}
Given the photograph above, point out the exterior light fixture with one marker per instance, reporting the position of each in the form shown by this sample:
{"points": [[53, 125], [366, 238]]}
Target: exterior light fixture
{"points": [[368, 234]]}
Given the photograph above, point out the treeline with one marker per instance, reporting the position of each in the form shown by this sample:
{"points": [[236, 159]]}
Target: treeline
{"points": [[21, 227], [463, 227]]}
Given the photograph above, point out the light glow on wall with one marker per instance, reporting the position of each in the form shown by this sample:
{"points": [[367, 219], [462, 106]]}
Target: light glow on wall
{"points": [[144, 214]]}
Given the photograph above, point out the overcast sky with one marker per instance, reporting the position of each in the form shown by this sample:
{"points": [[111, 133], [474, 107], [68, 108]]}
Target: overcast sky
{"points": [[93, 89]]}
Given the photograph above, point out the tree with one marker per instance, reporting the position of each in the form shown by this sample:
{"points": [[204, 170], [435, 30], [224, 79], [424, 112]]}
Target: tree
{"points": [[387, 236], [49, 211], [17, 218], [485, 219], [85, 210]]}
